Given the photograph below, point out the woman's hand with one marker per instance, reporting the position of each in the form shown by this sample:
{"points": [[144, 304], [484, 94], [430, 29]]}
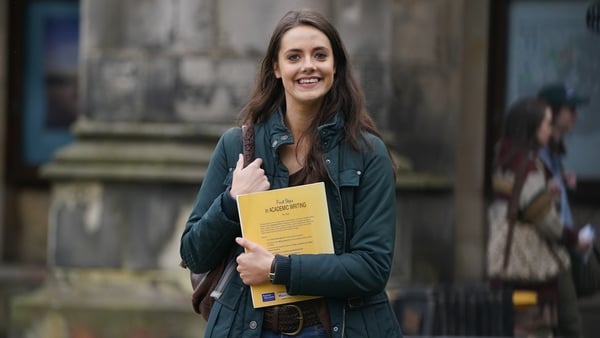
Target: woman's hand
{"points": [[585, 239], [249, 179], [254, 265], [583, 245], [570, 179], [554, 187]]}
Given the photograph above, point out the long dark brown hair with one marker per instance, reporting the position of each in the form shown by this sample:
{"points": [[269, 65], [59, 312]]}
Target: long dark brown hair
{"points": [[522, 122], [519, 137], [345, 95]]}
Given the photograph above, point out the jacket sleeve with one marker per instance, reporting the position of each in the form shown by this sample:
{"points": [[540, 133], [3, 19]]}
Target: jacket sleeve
{"points": [[365, 268], [209, 233], [537, 206]]}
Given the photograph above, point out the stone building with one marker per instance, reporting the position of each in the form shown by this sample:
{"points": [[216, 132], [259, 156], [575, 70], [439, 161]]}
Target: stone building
{"points": [[91, 214]]}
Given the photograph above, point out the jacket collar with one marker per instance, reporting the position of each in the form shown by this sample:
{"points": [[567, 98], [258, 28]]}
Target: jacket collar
{"points": [[329, 133]]}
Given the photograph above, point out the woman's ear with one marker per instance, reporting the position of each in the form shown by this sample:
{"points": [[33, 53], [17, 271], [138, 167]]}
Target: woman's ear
{"points": [[276, 70]]}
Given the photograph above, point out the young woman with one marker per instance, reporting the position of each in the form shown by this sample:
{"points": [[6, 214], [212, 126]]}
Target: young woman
{"points": [[310, 125], [520, 180]]}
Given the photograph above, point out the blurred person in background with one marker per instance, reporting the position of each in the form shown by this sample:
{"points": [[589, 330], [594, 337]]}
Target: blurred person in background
{"points": [[564, 102], [520, 181]]}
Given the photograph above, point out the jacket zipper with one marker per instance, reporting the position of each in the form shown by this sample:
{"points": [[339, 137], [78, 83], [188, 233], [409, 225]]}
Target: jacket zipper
{"points": [[227, 273], [343, 321], [339, 193]]}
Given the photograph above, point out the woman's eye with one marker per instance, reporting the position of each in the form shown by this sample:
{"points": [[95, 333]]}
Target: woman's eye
{"points": [[293, 57], [320, 56]]}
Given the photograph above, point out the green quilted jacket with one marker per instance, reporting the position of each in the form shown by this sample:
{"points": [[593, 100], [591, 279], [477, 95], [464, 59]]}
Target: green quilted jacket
{"points": [[361, 198]]}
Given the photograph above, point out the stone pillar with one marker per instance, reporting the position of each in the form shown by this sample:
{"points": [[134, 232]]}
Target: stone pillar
{"points": [[154, 97], [424, 104], [469, 235]]}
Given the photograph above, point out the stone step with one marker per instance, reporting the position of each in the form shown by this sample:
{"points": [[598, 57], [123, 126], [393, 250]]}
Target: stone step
{"points": [[106, 304], [16, 280]]}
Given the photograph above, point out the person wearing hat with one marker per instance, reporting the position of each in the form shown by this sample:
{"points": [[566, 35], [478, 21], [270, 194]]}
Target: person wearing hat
{"points": [[563, 102]]}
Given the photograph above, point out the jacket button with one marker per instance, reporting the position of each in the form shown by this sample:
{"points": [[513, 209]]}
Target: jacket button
{"points": [[253, 325], [274, 144], [358, 172], [328, 161], [335, 329], [284, 137]]}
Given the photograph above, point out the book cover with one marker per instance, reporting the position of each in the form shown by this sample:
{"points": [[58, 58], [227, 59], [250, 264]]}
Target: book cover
{"points": [[286, 221]]}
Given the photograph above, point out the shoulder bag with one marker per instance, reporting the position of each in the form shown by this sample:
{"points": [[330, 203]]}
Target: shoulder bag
{"points": [[517, 252]]}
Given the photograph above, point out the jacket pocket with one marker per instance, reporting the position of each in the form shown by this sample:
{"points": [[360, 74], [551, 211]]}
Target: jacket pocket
{"points": [[226, 308], [372, 317]]}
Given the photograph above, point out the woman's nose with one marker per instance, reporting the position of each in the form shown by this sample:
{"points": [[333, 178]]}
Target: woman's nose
{"points": [[308, 65]]}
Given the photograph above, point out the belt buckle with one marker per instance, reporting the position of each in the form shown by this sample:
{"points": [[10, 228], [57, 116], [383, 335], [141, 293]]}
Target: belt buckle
{"points": [[300, 320]]}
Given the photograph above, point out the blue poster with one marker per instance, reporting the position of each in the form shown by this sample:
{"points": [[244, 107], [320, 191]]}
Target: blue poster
{"points": [[50, 78]]}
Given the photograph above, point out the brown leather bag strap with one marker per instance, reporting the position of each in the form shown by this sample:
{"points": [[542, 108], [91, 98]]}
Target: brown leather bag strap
{"points": [[248, 144], [513, 208]]}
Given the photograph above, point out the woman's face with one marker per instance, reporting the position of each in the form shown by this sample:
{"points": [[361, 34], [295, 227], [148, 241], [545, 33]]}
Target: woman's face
{"points": [[545, 129], [305, 66], [565, 119]]}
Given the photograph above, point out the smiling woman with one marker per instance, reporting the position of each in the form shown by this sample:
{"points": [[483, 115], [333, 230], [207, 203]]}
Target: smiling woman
{"points": [[310, 125], [305, 65]]}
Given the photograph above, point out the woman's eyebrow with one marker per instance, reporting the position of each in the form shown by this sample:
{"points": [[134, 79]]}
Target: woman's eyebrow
{"points": [[319, 48]]}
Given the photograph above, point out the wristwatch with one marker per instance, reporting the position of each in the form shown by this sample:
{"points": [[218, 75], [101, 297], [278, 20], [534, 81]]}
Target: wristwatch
{"points": [[272, 273]]}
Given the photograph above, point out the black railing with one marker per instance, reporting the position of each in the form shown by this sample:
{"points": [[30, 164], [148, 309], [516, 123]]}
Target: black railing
{"points": [[474, 311]]}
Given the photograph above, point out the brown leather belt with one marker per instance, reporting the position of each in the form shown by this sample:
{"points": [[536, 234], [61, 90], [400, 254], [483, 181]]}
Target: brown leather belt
{"points": [[290, 319]]}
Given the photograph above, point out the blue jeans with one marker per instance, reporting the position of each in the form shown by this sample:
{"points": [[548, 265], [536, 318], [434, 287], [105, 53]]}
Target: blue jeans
{"points": [[314, 331]]}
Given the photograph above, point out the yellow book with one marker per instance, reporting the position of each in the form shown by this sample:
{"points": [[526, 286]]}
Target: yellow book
{"points": [[285, 221]]}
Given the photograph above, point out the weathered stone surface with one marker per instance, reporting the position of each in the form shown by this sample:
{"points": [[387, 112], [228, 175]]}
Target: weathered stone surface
{"points": [[213, 90], [115, 24], [100, 304], [77, 232], [115, 88], [246, 26], [159, 89], [16, 280], [364, 26], [425, 81], [131, 88], [194, 26], [116, 225]]}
